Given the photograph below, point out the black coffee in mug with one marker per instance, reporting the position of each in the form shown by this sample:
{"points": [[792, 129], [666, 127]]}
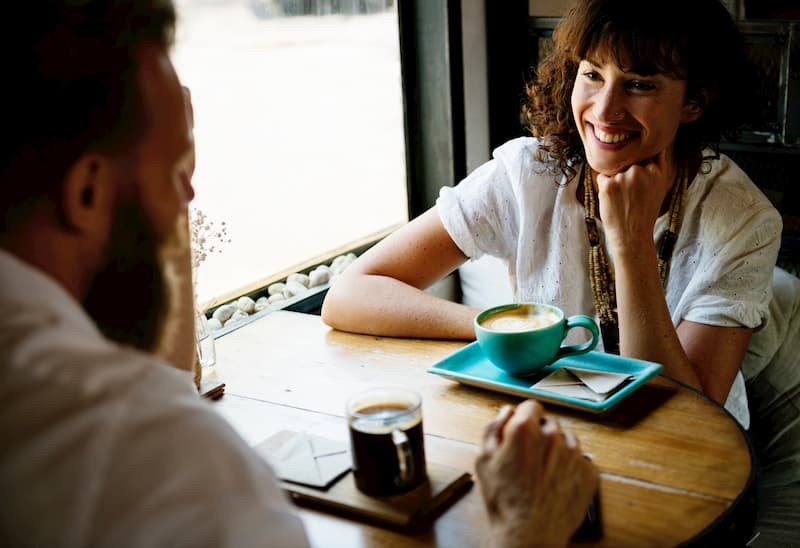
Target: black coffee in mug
{"points": [[386, 441]]}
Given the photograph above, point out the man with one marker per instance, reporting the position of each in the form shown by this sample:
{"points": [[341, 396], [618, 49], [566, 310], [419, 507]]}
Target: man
{"points": [[105, 441]]}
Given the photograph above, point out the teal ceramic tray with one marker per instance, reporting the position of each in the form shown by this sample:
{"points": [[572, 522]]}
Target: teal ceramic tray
{"points": [[469, 366]]}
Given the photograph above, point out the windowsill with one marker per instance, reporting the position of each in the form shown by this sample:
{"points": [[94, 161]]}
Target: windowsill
{"points": [[309, 302]]}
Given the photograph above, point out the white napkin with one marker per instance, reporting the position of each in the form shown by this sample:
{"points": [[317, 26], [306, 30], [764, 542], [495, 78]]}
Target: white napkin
{"points": [[584, 384], [306, 458]]}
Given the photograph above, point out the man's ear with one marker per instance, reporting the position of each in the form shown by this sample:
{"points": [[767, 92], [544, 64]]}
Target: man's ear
{"points": [[695, 107], [87, 195]]}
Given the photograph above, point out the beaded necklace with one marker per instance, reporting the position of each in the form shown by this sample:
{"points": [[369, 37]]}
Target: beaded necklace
{"points": [[602, 279]]}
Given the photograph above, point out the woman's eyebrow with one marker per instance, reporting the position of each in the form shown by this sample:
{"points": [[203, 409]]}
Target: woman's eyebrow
{"points": [[631, 72]]}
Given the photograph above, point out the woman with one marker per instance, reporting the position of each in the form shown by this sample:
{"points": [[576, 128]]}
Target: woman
{"points": [[619, 205]]}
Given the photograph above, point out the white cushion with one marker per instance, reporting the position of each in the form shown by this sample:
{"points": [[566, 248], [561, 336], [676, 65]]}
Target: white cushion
{"points": [[485, 283]]}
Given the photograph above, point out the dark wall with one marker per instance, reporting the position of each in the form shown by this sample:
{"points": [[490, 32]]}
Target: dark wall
{"points": [[508, 54]]}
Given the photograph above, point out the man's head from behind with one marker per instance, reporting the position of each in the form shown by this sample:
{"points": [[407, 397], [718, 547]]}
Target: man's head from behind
{"points": [[92, 165]]}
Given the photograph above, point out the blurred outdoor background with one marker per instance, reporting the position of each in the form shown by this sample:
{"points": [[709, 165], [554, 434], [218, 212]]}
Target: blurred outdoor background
{"points": [[298, 127]]}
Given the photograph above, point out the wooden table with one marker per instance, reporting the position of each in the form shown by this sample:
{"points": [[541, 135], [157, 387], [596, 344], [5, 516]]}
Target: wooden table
{"points": [[672, 462]]}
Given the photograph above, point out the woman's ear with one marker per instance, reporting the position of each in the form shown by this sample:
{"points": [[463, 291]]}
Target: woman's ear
{"points": [[694, 107], [87, 195]]}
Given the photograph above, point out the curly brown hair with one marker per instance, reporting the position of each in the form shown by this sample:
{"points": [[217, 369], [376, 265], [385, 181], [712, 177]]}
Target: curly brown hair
{"points": [[693, 40]]}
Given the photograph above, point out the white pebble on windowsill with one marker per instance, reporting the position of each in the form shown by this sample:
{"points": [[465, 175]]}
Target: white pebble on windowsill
{"points": [[246, 304], [319, 276], [301, 279], [276, 288], [293, 288], [238, 315], [341, 262], [224, 313], [276, 298]]}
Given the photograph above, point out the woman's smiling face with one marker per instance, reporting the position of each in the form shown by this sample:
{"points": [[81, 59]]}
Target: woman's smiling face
{"points": [[626, 118]]}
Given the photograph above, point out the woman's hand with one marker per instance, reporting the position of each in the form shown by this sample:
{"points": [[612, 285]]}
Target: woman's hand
{"points": [[630, 201]]}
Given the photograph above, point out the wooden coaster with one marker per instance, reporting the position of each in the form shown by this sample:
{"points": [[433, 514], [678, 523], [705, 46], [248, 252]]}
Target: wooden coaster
{"points": [[411, 512]]}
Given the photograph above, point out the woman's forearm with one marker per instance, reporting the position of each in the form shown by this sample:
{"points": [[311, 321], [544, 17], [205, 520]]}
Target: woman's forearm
{"points": [[383, 291], [381, 305], [645, 326]]}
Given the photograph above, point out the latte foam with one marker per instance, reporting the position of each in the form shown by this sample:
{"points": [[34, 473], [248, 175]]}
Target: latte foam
{"points": [[515, 320]]}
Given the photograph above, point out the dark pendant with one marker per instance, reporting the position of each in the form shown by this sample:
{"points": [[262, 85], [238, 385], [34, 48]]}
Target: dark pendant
{"points": [[610, 334], [666, 245]]}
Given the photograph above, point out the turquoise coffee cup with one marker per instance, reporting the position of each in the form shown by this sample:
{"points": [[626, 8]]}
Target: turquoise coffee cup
{"points": [[521, 338]]}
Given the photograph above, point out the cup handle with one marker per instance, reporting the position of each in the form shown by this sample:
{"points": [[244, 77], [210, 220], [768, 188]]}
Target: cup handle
{"points": [[404, 457], [580, 321]]}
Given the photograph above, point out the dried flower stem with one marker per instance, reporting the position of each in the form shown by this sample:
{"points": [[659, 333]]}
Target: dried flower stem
{"points": [[207, 238]]}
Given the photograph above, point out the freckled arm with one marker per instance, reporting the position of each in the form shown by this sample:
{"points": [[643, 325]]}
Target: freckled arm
{"points": [[383, 291]]}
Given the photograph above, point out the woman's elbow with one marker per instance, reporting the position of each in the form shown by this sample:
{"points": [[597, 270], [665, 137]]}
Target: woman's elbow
{"points": [[337, 306], [329, 310]]}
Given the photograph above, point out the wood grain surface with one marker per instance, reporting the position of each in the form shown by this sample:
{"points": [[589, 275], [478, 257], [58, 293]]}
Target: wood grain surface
{"points": [[672, 461]]}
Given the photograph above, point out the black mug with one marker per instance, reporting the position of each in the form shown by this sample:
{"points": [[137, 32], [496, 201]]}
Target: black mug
{"points": [[386, 441]]}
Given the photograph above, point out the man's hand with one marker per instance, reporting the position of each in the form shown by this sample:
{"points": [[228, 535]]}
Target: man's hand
{"points": [[535, 481]]}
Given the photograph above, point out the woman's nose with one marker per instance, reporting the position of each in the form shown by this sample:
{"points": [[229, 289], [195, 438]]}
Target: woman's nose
{"points": [[609, 104]]}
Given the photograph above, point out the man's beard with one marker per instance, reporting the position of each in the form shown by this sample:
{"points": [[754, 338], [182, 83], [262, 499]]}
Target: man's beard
{"points": [[130, 296]]}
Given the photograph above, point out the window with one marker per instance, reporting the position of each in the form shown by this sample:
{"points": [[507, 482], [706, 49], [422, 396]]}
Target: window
{"points": [[298, 127]]}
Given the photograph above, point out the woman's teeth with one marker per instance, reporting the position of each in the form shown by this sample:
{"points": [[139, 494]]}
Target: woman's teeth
{"points": [[610, 137]]}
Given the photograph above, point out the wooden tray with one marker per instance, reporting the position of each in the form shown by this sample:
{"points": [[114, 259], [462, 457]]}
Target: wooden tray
{"points": [[410, 512]]}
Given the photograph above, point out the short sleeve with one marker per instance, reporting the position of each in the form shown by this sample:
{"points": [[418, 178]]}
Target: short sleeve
{"points": [[481, 214], [732, 285]]}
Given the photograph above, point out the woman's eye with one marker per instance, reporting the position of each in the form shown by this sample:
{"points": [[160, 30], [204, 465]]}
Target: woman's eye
{"points": [[638, 85], [591, 75]]}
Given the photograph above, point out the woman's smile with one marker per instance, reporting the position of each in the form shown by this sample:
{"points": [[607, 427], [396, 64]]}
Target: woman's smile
{"points": [[611, 137]]}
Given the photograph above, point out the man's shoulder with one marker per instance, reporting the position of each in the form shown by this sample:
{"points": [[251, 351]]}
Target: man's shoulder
{"points": [[125, 439], [44, 351], [180, 441]]}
